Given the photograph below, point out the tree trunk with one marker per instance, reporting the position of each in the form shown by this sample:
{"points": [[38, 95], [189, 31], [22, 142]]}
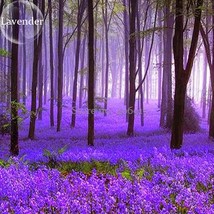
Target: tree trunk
{"points": [[105, 17], [179, 103], [40, 87], [182, 75], [160, 59], [37, 51], [51, 65], [211, 127], [45, 70], [126, 42], [14, 144], [132, 68], [24, 63], [60, 66], [82, 74], [81, 10], [90, 74], [204, 89], [211, 119], [140, 53], [166, 102]]}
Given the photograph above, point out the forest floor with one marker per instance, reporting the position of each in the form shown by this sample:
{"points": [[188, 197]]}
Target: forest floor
{"points": [[118, 175], [111, 141]]}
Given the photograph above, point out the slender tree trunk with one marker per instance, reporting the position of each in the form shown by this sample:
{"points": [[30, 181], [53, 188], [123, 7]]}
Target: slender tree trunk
{"points": [[45, 70], [37, 51], [160, 59], [140, 53], [82, 74], [204, 89], [51, 65], [147, 78], [1, 6], [91, 74], [79, 20], [132, 67], [14, 144], [166, 102], [126, 42], [60, 66], [105, 17], [24, 64], [40, 72], [103, 59]]}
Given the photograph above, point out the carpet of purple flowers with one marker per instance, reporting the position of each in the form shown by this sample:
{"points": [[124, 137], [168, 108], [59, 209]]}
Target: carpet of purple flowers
{"points": [[119, 175], [164, 183]]}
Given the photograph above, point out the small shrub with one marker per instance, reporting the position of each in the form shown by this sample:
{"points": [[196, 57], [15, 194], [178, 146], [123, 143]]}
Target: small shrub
{"points": [[191, 118], [4, 123]]}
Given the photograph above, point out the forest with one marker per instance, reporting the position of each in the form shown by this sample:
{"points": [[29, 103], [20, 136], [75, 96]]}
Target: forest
{"points": [[106, 106]]}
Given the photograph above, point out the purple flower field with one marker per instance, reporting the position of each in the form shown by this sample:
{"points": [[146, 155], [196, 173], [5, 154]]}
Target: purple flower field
{"points": [[168, 183], [148, 177]]}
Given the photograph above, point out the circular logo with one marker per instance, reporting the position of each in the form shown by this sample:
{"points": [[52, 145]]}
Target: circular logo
{"points": [[30, 21]]}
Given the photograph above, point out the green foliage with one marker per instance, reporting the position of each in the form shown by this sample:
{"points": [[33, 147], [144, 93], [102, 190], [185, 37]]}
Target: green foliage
{"points": [[4, 123], [4, 163], [53, 156], [149, 31], [201, 187], [12, 161], [127, 174], [118, 8], [181, 209], [140, 172], [86, 167], [4, 53]]}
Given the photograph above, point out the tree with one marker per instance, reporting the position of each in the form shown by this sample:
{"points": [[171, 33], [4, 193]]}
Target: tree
{"points": [[81, 9], [132, 66], [210, 59], [166, 101], [2, 6], [24, 61], [126, 41], [51, 65], [60, 65], [82, 73], [37, 51], [90, 74], [182, 74], [14, 147], [132, 63], [40, 86], [105, 18]]}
